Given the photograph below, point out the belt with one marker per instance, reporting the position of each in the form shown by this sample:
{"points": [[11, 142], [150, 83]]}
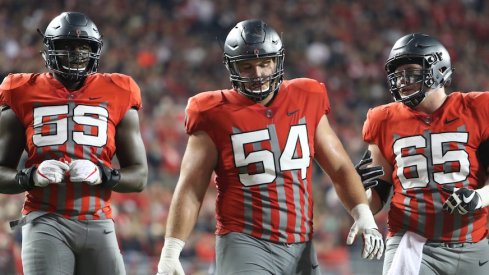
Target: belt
{"points": [[448, 245]]}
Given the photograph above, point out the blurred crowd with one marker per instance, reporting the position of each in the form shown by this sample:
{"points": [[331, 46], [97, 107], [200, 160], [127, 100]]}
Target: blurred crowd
{"points": [[173, 49]]}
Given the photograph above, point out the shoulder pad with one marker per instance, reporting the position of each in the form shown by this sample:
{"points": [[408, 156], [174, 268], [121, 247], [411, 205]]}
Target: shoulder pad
{"points": [[207, 100], [123, 81], [305, 84], [380, 113], [13, 81]]}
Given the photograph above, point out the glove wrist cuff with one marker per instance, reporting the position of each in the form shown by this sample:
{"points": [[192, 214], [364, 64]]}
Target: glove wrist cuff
{"points": [[483, 195], [362, 211], [24, 178], [172, 248], [110, 177]]}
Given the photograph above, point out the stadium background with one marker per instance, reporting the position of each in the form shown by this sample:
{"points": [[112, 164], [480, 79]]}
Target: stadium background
{"points": [[173, 50]]}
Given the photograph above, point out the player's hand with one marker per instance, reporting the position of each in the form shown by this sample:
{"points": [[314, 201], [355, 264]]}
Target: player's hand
{"points": [[463, 200], [50, 172], [82, 170], [169, 260], [373, 242], [369, 175], [170, 267]]}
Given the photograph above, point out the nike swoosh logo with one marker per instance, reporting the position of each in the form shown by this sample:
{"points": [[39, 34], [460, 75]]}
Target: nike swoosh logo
{"points": [[93, 98], [448, 121], [467, 200], [291, 113], [316, 266], [481, 263], [108, 231]]}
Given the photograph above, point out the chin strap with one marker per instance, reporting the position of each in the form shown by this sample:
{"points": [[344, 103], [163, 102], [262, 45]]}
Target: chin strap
{"points": [[415, 100]]}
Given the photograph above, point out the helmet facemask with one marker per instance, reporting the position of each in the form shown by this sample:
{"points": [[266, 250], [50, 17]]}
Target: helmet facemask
{"points": [[425, 78], [413, 80], [72, 59], [255, 87]]}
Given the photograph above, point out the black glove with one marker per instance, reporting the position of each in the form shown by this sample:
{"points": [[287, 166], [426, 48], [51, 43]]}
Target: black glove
{"points": [[463, 200], [369, 175]]}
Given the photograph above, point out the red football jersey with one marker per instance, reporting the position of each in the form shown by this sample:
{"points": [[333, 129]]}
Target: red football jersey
{"points": [[429, 151], [263, 175], [65, 125]]}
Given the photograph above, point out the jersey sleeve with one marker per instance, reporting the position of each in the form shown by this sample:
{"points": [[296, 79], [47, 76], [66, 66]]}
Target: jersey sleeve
{"points": [[127, 83], [9, 83], [4, 98], [135, 97], [480, 105], [199, 108], [194, 118], [325, 105], [371, 127], [311, 93]]}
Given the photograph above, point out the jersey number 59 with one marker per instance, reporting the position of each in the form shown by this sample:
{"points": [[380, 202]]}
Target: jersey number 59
{"points": [[52, 127]]}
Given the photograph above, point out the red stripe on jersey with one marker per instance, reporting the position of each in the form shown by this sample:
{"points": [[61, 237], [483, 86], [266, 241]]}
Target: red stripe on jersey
{"points": [[257, 215], [70, 198], [85, 201], [414, 217], [289, 196], [53, 196], [429, 208], [275, 218], [98, 194]]}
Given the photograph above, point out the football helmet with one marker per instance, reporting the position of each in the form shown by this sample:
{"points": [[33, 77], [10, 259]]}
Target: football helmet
{"points": [[254, 39], [422, 49], [72, 46]]}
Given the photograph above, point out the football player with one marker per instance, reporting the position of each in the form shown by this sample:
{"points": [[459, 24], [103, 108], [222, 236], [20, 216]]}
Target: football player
{"points": [[71, 121], [426, 142], [260, 139]]}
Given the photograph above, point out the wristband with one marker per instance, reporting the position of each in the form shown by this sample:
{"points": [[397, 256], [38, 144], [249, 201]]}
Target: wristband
{"points": [[362, 211], [24, 178], [110, 177], [383, 189], [172, 248]]}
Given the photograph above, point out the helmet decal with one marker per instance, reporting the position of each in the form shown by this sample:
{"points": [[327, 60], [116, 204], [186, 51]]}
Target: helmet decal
{"points": [[257, 52]]}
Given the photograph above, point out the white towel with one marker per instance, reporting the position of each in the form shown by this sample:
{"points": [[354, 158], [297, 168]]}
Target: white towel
{"points": [[407, 260]]}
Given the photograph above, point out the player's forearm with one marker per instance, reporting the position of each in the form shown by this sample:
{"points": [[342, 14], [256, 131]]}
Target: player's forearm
{"points": [[349, 188], [374, 201], [133, 179], [8, 184], [182, 217]]}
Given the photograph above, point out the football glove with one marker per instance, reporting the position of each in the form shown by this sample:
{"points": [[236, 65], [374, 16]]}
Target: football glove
{"points": [[169, 260], [82, 170], [373, 242], [369, 175], [50, 172], [463, 200]]}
